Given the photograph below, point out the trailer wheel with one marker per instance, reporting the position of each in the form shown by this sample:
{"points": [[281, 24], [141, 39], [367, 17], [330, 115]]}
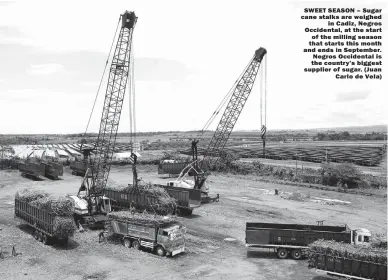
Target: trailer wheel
{"points": [[282, 253], [45, 239], [136, 244], [127, 243], [36, 234], [160, 251], [296, 254]]}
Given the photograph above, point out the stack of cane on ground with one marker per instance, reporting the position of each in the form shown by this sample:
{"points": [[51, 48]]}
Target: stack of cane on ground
{"points": [[62, 207]]}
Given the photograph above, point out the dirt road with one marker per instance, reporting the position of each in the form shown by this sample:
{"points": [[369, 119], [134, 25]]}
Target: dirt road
{"points": [[208, 256]]}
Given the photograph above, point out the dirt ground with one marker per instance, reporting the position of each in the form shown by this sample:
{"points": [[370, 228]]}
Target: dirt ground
{"points": [[208, 256]]}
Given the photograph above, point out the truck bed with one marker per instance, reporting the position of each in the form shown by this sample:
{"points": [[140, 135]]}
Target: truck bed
{"points": [[124, 200], [345, 267], [186, 198], [272, 235], [35, 217], [32, 168], [53, 169]]}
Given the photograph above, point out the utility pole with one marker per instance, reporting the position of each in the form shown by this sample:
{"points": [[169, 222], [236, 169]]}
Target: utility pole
{"points": [[296, 165]]}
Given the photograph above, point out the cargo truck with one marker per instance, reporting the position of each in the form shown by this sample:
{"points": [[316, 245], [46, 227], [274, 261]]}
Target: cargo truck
{"points": [[32, 169], [41, 220], [78, 168], [186, 199], [167, 239], [342, 267], [291, 239], [53, 169]]}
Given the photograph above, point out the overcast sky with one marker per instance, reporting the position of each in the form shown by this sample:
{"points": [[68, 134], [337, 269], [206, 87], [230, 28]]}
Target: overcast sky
{"points": [[187, 56]]}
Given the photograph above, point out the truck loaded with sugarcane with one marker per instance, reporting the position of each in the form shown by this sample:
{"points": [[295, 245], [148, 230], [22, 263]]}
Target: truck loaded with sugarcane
{"points": [[292, 239], [349, 261], [162, 235], [50, 217]]}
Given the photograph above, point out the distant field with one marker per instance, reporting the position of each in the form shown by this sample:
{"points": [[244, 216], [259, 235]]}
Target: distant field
{"points": [[367, 153]]}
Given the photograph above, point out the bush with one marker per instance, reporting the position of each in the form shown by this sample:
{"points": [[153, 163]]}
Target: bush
{"points": [[341, 174]]}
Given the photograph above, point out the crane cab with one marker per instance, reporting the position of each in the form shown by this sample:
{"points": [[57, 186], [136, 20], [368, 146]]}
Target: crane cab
{"points": [[361, 236]]}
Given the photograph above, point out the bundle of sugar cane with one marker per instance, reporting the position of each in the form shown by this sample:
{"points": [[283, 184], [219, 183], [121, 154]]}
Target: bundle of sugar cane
{"points": [[165, 203], [143, 218], [64, 227], [379, 241], [61, 206], [28, 195], [345, 250]]}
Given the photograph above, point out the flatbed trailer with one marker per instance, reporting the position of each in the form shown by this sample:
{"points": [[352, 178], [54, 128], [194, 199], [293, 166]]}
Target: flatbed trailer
{"points": [[168, 239], [348, 268], [42, 221], [291, 239]]}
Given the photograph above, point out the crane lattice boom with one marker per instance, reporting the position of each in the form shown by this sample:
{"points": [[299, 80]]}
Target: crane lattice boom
{"points": [[113, 103]]}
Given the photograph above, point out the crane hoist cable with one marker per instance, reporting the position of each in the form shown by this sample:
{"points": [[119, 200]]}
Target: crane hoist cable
{"points": [[263, 102], [102, 77]]}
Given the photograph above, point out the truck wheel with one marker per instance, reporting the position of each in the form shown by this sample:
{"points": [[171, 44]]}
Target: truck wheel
{"points": [[136, 245], [36, 235], [45, 239], [127, 243], [296, 254], [282, 253], [160, 251]]}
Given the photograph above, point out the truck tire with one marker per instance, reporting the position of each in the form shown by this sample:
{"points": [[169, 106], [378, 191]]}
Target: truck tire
{"points": [[45, 239], [160, 251], [282, 253], [296, 254], [136, 244], [127, 242]]}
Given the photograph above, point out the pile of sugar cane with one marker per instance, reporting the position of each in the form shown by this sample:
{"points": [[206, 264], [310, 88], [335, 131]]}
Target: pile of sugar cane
{"points": [[62, 207], [365, 253], [142, 218], [165, 204]]}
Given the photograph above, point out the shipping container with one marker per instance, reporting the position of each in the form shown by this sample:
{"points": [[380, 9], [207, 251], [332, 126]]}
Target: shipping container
{"points": [[41, 220], [348, 268]]}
